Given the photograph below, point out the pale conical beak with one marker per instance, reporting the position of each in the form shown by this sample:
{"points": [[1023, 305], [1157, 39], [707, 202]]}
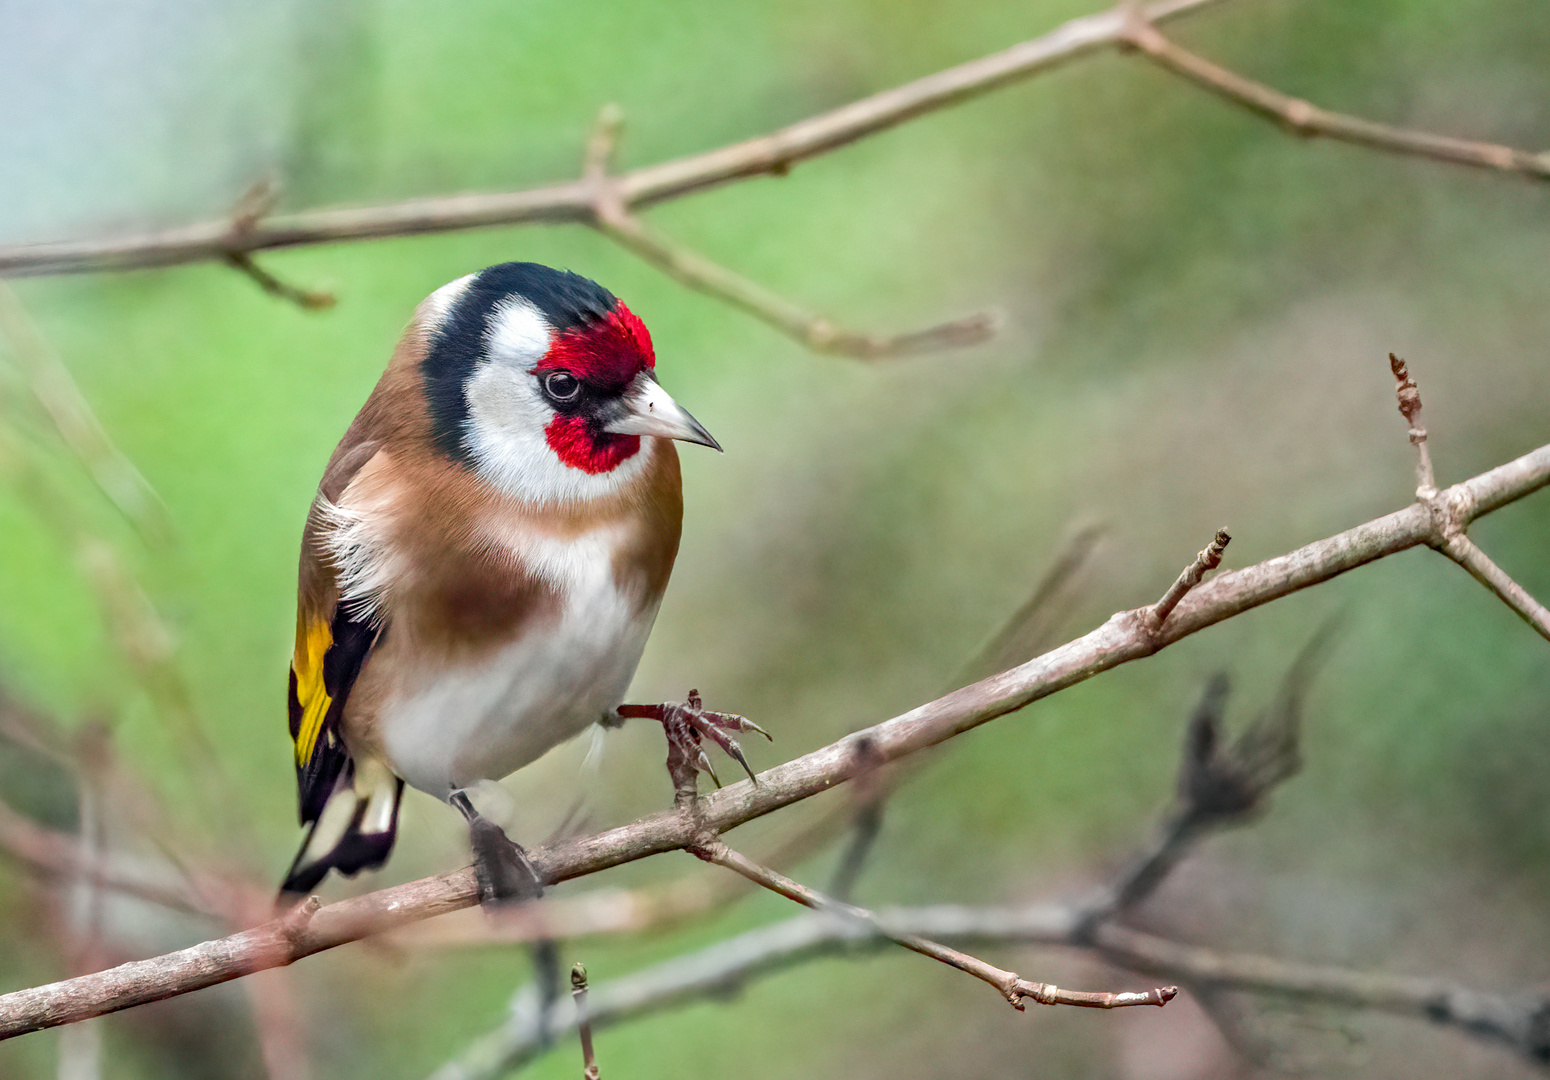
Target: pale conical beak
{"points": [[649, 410]]}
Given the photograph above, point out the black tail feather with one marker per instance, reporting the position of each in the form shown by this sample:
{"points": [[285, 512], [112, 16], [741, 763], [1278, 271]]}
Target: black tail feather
{"points": [[353, 852]]}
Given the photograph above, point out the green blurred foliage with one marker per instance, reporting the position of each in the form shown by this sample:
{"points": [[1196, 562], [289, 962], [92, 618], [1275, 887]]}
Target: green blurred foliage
{"points": [[1199, 308]]}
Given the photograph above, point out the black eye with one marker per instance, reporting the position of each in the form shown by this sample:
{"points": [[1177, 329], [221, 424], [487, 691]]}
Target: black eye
{"points": [[562, 386]]}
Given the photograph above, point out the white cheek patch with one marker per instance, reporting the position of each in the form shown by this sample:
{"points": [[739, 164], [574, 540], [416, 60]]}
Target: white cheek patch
{"points": [[507, 415], [505, 436]]}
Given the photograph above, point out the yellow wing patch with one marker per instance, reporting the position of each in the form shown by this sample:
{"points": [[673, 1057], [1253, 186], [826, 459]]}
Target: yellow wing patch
{"points": [[312, 698]]}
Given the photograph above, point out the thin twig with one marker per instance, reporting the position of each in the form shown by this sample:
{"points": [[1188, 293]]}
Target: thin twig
{"points": [[1304, 118], [578, 985], [1126, 636], [612, 217], [1462, 550], [1012, 986], [1209, 559], [306, 299], [597, 162], [815, 331], [772, 154], [1409, 395]]}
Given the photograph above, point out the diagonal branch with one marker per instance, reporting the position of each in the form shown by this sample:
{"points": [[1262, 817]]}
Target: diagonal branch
{"points": [[1462, 550], [78, 427], [1304, 118], [816, 332], [767, 155], [612, 217], [1012, 986], [1126, 636]]}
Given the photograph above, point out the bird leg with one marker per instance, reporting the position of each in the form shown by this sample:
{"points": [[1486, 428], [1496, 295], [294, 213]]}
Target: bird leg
{"points": [[685, 724], [506, 874]]}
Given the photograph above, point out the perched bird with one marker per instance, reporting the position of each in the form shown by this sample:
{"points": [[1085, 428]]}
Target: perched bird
{"points": [[483, 562]]}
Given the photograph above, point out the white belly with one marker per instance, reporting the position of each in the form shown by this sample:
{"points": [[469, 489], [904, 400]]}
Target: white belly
{"points": [[485, 720]]}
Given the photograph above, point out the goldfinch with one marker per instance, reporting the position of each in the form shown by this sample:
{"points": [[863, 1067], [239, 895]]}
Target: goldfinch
{"points": [[482, 563]]}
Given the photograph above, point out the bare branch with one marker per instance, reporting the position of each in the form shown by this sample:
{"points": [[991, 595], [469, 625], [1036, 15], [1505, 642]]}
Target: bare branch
{"points": [[1462, 550], [302, 298], [612, 217], [578, 984], [1126, 636], [814, 331], [1219, 785], [772, 154], [1409, 395], [1012, 986], [1209, 559], [1520, 1021], [1304, 118]]}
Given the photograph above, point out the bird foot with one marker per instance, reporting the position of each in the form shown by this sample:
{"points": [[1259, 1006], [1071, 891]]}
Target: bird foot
{"points": [[685, 725], [506, 875]]}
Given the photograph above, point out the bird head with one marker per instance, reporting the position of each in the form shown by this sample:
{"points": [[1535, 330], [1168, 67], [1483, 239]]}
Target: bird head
{"points": [[544, 382]]}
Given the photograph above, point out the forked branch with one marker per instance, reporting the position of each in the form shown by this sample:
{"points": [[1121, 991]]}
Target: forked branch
{"points": [[1452, 540]]}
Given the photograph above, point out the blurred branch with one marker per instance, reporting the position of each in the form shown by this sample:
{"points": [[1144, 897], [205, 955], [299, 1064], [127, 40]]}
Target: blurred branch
{"points": [[77, 426], [612, 217], [63, 856], [80, 1046], [302, 298], [1031, 629], [279, 1020], [772, 154], [1304, 118], [1028, 631], [814, 331], [1219, 785], [578, 982], [1126, 636], [1520, 1021]]}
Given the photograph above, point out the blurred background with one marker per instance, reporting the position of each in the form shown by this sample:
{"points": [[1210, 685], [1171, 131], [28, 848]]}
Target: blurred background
{"points": [[1198, 310]]}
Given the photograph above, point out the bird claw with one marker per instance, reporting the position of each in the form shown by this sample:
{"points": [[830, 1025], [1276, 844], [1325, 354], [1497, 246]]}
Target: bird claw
{"points": [[685, 725]]}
